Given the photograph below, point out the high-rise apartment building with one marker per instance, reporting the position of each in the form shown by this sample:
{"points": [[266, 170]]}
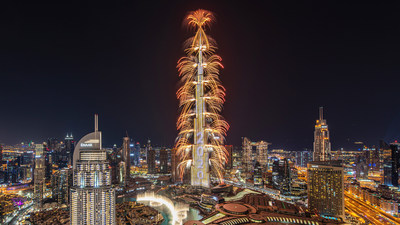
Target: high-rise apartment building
{"points": [[92, 196], [174, 165], [302, 158], [385, 153], [39, 176], [325, 188], [126, 158], [282, 176], [164, 160], [135, 153], [61, 183], [395, 163], [322, 145], [69, 144], [151, 158], [257, 175], [252, 152], [387, 174], [48, 162]]}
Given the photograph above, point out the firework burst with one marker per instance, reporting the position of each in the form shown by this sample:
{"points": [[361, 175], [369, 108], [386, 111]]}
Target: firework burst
{"points": [[202, 130]]}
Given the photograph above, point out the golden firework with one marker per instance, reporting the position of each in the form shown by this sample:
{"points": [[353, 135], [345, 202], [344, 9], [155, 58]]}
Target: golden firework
{"points": [[202, 130]]}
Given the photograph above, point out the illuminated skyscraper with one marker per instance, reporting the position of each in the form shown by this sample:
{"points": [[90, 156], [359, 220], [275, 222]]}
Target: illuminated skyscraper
{"points": [[92, 197], [302, 158], [69, 147], [150, 158], [39, 176], [322, 145], [164, 160], [126, 158], [174, 166], [61, 183], [395, 163], [254, 152], [135, 153], [282, 176], [201, 128], [325, 188]]}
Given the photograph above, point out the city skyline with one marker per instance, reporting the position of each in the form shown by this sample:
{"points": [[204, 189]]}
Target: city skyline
{"points": [[247, 145], [273, 64]]}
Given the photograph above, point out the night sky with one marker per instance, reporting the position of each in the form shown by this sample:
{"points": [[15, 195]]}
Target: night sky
{"points": [[62, 62]]}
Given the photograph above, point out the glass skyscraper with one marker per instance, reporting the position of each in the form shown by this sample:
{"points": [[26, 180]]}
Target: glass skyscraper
{"points": [[92, 196]]}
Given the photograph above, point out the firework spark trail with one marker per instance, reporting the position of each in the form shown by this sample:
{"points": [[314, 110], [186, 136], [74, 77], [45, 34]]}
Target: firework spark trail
{"points": [[201, 99]]}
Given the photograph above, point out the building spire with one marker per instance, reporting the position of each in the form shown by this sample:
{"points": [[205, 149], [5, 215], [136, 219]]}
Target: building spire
{"points": [[96, 122], [321, 113], [96, 125]]}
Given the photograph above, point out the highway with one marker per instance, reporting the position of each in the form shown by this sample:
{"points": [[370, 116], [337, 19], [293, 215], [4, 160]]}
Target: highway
{"points": [[368, 212], [20, 214]]}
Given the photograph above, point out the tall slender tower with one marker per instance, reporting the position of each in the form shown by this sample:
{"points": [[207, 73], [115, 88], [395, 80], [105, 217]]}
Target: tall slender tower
{"points": [[69, 147], [322, 145], [150, 158], [39, 176], [126, 152], [202, 129], [92, 197]]}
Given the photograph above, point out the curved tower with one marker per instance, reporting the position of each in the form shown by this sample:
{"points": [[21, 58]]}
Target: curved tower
{"points": [[201, 128], [92, 197]]}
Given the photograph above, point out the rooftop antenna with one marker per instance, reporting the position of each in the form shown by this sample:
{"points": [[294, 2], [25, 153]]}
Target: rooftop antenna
{"points": [[321, 113], [96, 124]]}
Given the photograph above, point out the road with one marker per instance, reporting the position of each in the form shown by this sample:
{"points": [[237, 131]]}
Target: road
{"points": [[368, 212], [20, 215]]}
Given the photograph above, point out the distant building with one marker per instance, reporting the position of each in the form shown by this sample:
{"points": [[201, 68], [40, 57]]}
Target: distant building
{"points": [[69, 144], [325, 188], [92, 196], [229, 149], [61, 183], [322, 145], [174, 166], [387, 174], [126, 157], [135, 153], [257, 176], [164, 161], [302, 158], [385, 153], [362, 170], [121, 173], [151, 159], [39, 176], [13, 170], [281, 176], [254, 151], [395, 161]]}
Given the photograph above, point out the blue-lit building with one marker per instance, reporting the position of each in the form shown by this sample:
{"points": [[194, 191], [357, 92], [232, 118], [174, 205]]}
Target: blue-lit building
{"points": [[135, 153]]}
